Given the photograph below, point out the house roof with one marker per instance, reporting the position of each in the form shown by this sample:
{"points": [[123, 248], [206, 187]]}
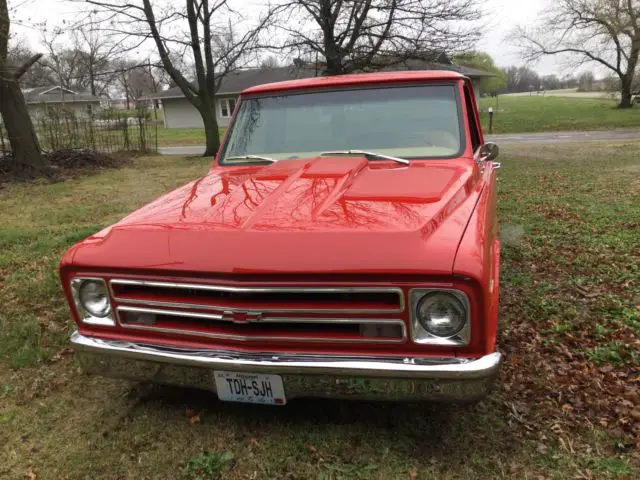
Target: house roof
{"points": [[234, 83], [357, 79], [56, 94]]}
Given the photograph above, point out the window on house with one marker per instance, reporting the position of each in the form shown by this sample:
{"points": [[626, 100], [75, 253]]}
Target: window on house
{"points": [[227, 105]]}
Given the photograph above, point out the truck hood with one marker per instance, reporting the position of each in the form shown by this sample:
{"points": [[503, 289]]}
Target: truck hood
{"points": [[321, 215]]}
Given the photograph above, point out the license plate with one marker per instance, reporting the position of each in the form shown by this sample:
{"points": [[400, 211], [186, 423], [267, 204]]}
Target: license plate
{"points": [[250, 388]]}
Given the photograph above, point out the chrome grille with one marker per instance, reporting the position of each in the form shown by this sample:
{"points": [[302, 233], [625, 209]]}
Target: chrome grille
{"points": [[290, 314], [264, 299]]}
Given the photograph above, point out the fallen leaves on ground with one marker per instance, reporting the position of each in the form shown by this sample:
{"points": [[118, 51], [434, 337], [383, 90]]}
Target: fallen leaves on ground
{"points": [[193, 416], [571, 329]]}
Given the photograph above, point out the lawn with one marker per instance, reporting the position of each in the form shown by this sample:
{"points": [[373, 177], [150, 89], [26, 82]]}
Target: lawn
{"points": [[543, 114], [168, 137], [567, 407]]}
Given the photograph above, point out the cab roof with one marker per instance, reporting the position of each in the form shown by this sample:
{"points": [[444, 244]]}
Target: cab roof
{"points": [[356, 79]]}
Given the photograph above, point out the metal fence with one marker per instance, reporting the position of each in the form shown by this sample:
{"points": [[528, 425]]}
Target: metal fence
{"points": [[108, 131]]}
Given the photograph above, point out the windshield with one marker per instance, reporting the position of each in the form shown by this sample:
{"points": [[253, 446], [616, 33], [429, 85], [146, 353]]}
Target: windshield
{"points": [[406, 122]]}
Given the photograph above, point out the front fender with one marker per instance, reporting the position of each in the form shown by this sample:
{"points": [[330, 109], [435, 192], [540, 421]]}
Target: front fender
{"points": [[478, 256]]}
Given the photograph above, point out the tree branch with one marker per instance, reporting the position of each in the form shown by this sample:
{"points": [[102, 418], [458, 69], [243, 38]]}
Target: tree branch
{"points": [[20, 71]]}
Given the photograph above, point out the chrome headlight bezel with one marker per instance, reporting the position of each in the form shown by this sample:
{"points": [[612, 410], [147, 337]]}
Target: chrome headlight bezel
{"points": [[85, 315], [420, 335]]}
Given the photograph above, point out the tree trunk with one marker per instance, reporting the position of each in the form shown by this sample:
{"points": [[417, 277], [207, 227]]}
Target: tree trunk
{"points": [[92, 80], [334, 66], [211, 131], [22, 136], [625, 93]]}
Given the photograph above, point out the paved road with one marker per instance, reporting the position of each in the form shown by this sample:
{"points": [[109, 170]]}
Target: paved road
{"points": [[506, 139], [564, 137], [183, 150]]}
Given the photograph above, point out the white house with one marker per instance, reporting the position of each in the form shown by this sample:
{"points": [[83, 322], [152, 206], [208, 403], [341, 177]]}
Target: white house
{"points": [[180, 113], [42, 98]]}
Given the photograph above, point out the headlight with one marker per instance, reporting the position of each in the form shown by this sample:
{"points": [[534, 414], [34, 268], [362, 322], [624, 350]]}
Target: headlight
{"points": [[440, 317], [94, 298], [92, 301]]}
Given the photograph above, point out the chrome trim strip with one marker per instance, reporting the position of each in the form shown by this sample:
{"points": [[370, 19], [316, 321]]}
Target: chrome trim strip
{"points": [[174, 313], [253, 338], [320, 320], [221, 288], [382, 367], [256, 338]]}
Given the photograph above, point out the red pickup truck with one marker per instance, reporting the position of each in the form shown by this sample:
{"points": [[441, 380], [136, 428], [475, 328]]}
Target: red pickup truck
{"points": [[343, 244]]}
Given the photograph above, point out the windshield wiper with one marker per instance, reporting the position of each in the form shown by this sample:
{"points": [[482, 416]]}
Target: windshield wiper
{"points": [[251, 157], [367, 154]]}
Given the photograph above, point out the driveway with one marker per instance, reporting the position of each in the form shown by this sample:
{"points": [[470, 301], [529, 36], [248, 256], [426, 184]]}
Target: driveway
{"points": [[503, 139]]}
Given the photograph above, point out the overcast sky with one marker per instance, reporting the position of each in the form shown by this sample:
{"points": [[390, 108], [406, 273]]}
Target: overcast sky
{"points": [[503, 16]]}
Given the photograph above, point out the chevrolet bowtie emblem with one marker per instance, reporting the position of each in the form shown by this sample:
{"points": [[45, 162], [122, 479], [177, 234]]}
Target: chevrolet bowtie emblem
{"points": [[241, 317]]}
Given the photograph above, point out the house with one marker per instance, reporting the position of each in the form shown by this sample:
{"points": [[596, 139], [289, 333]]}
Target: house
{"points": [[180, 113], [39, 100], [119, 103]]}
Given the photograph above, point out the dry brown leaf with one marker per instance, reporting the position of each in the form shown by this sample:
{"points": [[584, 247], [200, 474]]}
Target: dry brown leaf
{"points": [[193, 416], [61, 353], [542, 448]]}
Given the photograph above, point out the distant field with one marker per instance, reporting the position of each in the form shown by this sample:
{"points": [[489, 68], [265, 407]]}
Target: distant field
{"points": [[519, 114]]}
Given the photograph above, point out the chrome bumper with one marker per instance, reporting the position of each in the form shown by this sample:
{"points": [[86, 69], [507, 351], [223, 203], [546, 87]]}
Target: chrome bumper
{"points": [[447, 379]]}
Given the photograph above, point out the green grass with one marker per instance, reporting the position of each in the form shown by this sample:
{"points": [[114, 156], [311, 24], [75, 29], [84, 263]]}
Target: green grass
{"points": [[40, 221], [208, 464], [519, 114], [182, 136], [569, 326]]}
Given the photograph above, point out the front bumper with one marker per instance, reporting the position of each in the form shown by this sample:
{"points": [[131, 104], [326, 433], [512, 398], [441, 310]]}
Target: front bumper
{"points": [[447, 379]]}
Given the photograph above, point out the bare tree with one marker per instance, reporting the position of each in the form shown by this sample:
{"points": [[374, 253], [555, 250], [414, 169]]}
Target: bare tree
{"points": [[269, 62], [135, 80], [348, 36], [80, 61], [19, 53], [64, 64], [96, 53], [521, 79], [206, 30], [22, 136], [585, 81], [605, 32]]}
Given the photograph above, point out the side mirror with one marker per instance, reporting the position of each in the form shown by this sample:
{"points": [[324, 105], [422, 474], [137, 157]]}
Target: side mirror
{"points": [[487, 152]]}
